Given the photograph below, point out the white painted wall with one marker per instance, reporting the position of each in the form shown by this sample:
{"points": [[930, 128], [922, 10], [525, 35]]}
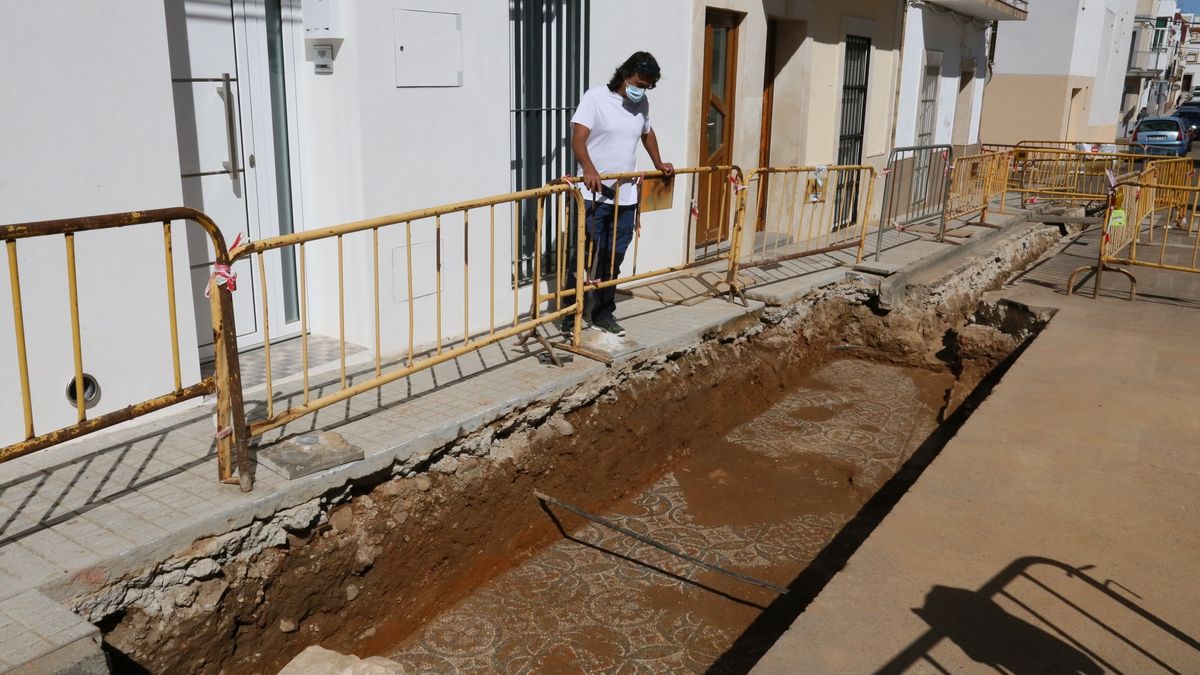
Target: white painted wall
{"points": [[374, 148], [669, 31], [963, 46], [89, 129], [1043, 44], [1114, 26], [96, 133]]}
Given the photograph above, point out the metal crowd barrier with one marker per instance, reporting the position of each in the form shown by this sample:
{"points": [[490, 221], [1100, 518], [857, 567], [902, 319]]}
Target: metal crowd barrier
{"points": [[1176, 171], [448, 345], [226, 383], [801, 211], [1091, 147], [915, 190], [975, 182], [1142, 214], [809, 210], [717, 199], [1068, 175]]}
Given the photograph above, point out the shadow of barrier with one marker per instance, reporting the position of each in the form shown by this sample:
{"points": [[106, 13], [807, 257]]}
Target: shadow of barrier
{"points": [[448, 231], [1023, 620], [1138, 225], [226, 383], [808, 210], [976, 181]]}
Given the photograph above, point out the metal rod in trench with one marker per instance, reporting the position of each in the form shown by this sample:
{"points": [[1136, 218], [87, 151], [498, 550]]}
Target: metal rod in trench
{"points": [[662, 547]]}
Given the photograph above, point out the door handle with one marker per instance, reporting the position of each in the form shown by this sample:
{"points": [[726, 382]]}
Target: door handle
{"points": [[230, 127]]}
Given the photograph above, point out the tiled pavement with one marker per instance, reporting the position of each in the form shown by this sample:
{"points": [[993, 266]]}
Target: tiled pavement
{"points": [[116, 502], [286, 359]]}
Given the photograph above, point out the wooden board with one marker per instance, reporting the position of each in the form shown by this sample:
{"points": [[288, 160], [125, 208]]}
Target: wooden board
{"points": [[657, 194]]}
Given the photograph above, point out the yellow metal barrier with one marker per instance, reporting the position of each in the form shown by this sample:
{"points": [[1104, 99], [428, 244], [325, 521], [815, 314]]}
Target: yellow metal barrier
{"points": [[1177, 172], [1068, 175], [231, 437], [560, 199], [806, 210], [1138, 226], [975, 182], [717, 199], [1092, 147]]}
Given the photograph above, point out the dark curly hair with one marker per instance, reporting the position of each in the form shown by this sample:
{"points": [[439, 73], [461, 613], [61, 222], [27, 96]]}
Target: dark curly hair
{"points": [[641, 63]]}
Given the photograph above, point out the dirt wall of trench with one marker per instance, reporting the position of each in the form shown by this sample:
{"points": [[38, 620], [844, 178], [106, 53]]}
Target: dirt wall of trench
{"points": [[392, 550]]}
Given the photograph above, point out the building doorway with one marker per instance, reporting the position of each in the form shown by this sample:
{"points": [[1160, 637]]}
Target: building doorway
{"points": [[716, 131], [233, 74], [927, 112], [770, 72]]}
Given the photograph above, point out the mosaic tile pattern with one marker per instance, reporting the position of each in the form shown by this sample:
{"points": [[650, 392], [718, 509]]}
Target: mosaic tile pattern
{"points": [[601, 602], [873, 423]]}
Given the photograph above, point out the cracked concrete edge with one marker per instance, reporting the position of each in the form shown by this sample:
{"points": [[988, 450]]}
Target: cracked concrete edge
{"points": [[244, 509], [894, 288]]}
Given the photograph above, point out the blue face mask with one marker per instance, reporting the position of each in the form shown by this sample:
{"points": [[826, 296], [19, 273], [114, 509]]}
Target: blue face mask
{"points": [[635, 94]]}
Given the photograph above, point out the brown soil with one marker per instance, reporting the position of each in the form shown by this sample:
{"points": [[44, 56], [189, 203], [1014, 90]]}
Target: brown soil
{"points": [[411, 552], [402, 550], [763, 500]]}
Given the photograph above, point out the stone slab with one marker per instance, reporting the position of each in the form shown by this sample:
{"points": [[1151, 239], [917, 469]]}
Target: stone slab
{"points": [[316, 660], [308, 453], [608, 345], [880, 268]]}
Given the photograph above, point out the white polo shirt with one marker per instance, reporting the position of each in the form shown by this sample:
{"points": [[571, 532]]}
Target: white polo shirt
{"points": [[616, 125]]}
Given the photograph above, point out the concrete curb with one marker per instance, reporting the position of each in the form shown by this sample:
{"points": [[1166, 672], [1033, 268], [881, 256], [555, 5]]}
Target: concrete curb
{"points": [[893, 289]]}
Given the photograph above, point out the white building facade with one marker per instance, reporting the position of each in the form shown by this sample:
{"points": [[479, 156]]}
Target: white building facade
{"points": [[1060, 74], [945, 64], [281, 116]]}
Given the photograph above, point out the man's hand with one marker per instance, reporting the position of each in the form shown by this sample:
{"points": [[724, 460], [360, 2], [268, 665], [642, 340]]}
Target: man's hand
{"points": [[667, 168], [591, 180]]}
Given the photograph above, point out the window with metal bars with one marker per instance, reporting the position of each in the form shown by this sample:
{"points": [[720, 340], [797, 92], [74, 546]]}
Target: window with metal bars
{"points": [[926, 124], [854, 119], [550, 42]]}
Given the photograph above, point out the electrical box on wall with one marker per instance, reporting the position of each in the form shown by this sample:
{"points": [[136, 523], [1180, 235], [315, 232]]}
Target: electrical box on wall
{"points": [[428, 48], [323, 33]]}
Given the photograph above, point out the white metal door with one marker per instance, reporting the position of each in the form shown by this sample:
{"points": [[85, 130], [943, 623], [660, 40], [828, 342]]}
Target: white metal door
{"points": [[225, 124]]}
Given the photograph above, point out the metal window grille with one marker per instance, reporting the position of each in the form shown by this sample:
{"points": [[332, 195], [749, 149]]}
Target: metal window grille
{"points": [[926, 122], [550, 44], [854, 117]]}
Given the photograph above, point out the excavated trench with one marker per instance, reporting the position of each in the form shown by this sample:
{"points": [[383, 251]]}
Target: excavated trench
{"points": [[771, 448]]}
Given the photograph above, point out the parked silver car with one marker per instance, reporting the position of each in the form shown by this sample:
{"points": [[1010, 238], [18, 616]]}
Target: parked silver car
{"points": [[1168, 133]]}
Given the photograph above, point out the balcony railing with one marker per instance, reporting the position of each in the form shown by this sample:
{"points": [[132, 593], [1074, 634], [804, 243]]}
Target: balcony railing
{"points": [[1149, 59], [989, 10]]}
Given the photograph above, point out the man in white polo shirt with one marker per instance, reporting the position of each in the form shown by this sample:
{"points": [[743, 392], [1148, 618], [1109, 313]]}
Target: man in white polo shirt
{"points": [[606, 128]]}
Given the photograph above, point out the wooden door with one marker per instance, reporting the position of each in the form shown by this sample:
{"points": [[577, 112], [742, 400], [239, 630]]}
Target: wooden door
{"points": [[768, 112], [716, 130]]}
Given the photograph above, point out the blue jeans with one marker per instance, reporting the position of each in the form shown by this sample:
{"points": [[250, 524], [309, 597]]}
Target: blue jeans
{"points": [[604, 258]]}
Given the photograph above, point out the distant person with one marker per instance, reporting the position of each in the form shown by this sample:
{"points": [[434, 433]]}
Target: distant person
{"points": [[1141, 114], [606, 128]]}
